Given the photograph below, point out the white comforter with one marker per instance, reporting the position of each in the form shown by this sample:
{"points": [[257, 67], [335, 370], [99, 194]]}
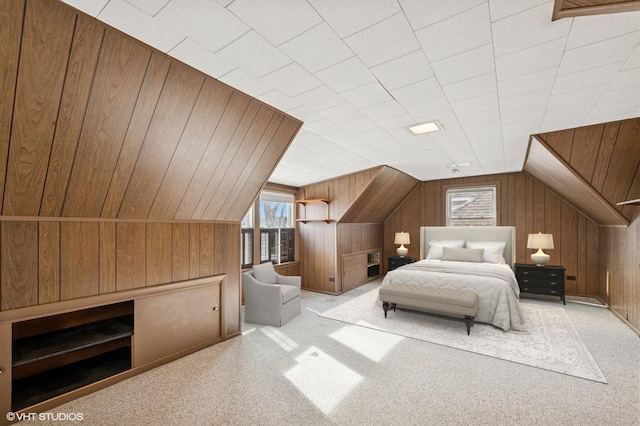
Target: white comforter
{"points": [[495, 284]]}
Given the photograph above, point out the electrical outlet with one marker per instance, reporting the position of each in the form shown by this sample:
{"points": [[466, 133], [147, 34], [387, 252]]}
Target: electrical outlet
{"points": [[571, 277], [332, 278]]}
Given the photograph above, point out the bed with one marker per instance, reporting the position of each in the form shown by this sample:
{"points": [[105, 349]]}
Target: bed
{"points": [[475, 258]]}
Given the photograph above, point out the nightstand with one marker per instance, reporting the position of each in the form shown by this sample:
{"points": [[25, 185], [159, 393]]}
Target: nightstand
{"points": [[547, 280], [397, 261]]}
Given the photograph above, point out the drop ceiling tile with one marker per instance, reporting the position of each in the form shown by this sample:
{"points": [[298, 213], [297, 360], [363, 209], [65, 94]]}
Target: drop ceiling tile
{"points": [[501, 9], [350, 17], [194, 17], [429, 110], [398, 122], [384, 41], [595, 28], [598, 54], [527, 61], [250, 85], [471, 88], [633, 61], [577, 98], [527, 29], [586, 79], [317, 49], [526, 115], [133, 21], [346, 75], [445, 38], [320, 98], [422, 13], [201, 59], [278, 100], [527, 100], [487, 115], [90, 7], [465, 65], [302, 113], [150, 7], [527, 83], [359, 124], [371, 94], [254, 54], [341, 113], [477, 104], [404, 70], [418, 92], [292, 80], [321, 127], [276, 20], [384, 110]]}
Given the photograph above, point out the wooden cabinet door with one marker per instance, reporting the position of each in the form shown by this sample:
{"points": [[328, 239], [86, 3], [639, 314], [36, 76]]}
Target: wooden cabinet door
{"points": [[354, 270], [5, 367], [175, 321]]}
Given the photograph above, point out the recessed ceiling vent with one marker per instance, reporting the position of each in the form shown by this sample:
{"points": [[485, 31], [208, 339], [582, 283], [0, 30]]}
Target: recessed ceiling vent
{"points": [[455, 168]]}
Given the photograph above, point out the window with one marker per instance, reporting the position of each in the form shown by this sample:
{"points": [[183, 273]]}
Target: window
{"points": [[277, 232], [247, 239], [471, 206], [269, 226]]}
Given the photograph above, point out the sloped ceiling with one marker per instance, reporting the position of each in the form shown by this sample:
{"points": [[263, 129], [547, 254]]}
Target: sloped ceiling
{"points": [[493, 72], [593, 167], [96, 124], [569, 8]]}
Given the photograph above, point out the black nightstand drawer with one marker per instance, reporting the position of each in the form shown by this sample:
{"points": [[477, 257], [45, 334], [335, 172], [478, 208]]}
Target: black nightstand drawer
{"points": [[397, 261], [547, 280]]}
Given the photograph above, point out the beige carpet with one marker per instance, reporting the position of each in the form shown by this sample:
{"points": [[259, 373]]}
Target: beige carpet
{"points": [[550, 342]]}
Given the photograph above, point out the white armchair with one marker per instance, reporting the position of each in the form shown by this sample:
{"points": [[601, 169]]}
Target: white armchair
{"points": [[270, 298]]}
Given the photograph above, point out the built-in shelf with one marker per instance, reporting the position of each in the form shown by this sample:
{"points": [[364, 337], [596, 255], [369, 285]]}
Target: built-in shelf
{"points": [[624, 203], [327, 201]]}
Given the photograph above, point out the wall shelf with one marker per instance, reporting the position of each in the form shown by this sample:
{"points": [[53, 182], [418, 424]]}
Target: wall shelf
{"points": [[304, 203], [624, 203]]}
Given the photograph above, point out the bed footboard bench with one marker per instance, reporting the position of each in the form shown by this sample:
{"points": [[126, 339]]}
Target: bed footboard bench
{"points": [[442, 301]]}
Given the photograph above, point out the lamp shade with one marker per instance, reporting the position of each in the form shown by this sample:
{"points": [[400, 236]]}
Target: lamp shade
{"points": [[539, 241], [402, 238]]}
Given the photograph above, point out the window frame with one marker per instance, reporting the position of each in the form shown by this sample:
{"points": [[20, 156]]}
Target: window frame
{"points": [[493, 185]]}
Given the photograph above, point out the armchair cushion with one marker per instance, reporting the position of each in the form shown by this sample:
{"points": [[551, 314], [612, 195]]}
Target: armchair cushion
{"points": [[288, 293], [265, 273]]}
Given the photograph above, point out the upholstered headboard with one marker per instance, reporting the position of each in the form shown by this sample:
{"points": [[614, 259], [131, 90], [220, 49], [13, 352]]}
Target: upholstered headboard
{"points": [[505, 234]]}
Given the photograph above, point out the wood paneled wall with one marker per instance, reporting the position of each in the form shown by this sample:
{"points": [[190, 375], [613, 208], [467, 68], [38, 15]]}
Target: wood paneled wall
{"points": [[52, 261], [96, 124], [620, 269], [606, 156], [120, 167], [360, 203], [523, 202]]}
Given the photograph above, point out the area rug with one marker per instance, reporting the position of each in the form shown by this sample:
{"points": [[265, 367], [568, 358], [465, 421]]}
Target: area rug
{"points": [[550, 341]]}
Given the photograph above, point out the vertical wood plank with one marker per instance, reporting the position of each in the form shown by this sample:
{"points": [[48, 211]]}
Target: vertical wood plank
{"points": [[194, 250], [169, 120], [46, 39], [107, 257], [11, 19], [204, 119], [207, 260], [80, 259], [85, 49], [154, 78], [180, 253], [117, 82], [569, 241], [48, 262], [19, 260], [585, 151], [227, 255], [159, 243], [130, 259], [609, 136]]}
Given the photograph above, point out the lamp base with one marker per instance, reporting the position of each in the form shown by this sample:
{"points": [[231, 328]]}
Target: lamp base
{"points": [[402, 250], [540, 258]]}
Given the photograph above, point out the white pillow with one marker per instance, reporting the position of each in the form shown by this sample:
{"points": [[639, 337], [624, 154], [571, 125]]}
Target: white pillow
{"points": [[493, 250], [435, 247], [462, 254]]}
